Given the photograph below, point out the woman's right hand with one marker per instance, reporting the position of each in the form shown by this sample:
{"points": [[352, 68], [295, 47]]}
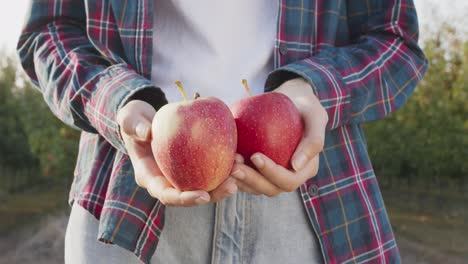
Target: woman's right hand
{"points": [[135, 120]]}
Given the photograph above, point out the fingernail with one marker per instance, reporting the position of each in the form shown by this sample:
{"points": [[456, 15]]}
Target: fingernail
{"points": [[258, 161], [202, 200], [142, 130], [299, 161], [238, 159], [238, 174]]}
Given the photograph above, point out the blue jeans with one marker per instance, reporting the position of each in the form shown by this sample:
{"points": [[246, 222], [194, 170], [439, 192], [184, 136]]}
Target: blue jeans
{"points": [[241, 229]]}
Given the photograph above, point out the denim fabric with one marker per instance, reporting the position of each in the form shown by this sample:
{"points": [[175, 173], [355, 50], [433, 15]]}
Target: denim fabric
{"points": [[258, 229], [241, 229]]}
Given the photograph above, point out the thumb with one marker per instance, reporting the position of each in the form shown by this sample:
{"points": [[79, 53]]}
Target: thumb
{"points": [[137, 128], [312, 142], [134, 122], [307, 149]]}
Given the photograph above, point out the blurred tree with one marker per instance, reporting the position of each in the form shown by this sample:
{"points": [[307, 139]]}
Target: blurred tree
{"points": [[53, 142], [31, 136], [14, 148], [428, 139]]}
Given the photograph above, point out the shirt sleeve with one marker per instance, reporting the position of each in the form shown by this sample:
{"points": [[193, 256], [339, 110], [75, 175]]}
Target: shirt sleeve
{"points": [[82, 87], [373, 76]]}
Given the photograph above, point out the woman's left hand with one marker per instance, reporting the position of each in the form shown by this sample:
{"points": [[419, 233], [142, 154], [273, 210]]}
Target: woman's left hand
{"points": [[272, 179]]}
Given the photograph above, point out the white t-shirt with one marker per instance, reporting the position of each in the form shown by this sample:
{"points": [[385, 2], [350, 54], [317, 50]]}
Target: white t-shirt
{"points": [[211, 45]]}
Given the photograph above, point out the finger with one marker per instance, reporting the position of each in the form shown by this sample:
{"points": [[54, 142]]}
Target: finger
{"points": [[136, 107], [278, 175], [283, 178], [245, 188], [136, 128], [145, 169], [309, 171], [254, 180], [150, 177], [135, 120], [226, 189], [242, 186], [239, 158], [312, 141], [161, 189], [175, 197]]}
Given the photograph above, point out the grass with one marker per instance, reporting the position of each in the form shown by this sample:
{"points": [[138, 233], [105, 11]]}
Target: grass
{"points": [[27, 207]]}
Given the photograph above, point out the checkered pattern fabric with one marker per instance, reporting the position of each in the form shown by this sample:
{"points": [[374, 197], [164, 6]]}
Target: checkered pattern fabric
{"points": [[361, 57]]}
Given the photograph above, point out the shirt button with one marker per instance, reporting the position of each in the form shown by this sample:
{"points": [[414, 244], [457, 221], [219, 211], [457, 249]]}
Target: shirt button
{"points": [[313, 190], [283, 48]]}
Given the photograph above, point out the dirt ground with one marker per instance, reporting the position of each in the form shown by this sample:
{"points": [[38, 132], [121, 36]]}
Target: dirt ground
{"points": [[43, 244], [40, 244]]}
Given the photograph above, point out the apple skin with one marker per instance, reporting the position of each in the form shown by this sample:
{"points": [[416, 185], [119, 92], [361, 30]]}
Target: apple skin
{"points": [[269, 123], [194, 143]]}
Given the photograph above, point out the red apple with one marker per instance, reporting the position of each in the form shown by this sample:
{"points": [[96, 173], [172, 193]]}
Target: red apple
{"points": [[194, 143], [269, 123]]}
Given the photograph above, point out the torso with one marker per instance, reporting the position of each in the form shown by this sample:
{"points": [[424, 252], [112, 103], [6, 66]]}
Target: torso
{"points": [[212, 45]]}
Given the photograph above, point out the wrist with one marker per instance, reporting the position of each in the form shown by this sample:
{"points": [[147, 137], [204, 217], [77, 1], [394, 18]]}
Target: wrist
{"points": [[302, 94], [151, 95], [298, 90]]}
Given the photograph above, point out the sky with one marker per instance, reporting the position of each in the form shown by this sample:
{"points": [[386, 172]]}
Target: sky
{"points": [[12, 14]]}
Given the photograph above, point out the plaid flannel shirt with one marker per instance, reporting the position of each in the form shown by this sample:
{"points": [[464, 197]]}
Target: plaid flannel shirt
{"points": [[361, 56]]}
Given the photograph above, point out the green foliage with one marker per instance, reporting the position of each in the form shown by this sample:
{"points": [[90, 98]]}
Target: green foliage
{"points": [[428, 138], [54, 143], [31, 135], [14, 147]]}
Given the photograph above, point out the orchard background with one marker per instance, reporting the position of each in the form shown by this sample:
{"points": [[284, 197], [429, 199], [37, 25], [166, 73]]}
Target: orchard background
{"points": [[420, 155]]}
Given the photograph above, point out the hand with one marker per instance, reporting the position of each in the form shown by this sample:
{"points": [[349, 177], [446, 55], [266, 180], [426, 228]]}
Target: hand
{"points": [[135, 120], [272, 179]]}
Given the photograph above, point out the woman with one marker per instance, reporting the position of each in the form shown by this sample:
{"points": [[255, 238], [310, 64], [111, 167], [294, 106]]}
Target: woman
{"points": [[99, 65]]}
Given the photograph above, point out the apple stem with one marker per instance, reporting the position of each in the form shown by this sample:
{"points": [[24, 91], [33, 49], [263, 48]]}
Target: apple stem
{"points": [[197, 95], [181, 89], [246, 86]]}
